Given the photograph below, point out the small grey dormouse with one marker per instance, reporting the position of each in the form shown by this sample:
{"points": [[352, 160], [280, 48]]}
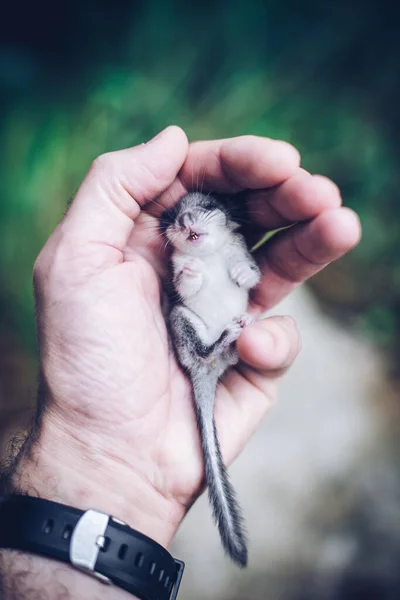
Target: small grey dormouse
{"points": [[213, 272]]}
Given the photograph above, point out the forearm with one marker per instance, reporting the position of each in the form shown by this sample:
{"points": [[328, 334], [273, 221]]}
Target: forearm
{"points": [[54, 466], [28, 577]]}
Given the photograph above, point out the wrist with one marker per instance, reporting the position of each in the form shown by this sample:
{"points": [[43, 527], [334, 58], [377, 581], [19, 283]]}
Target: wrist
{"points": [[73, 469], [26, 576]]}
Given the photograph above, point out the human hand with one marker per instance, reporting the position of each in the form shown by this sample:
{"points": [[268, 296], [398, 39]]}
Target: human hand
{"points": [[118, 431]]}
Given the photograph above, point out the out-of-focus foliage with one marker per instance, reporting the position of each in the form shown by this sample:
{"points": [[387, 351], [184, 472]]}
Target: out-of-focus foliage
{"points": [[84, 78]]}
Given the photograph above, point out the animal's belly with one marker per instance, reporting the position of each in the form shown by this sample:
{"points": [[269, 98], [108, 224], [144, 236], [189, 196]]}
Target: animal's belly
{"points": [[218, 307]]}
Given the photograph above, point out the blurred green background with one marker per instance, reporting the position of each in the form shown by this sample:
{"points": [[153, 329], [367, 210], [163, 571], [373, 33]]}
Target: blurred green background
{"points": [[81, 78], [78, 79]]}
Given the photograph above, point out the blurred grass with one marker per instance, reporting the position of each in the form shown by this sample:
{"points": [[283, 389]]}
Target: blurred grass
{"points": [[309, 75]]}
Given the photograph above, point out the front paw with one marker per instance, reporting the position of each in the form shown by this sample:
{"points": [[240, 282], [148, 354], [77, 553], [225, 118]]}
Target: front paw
{"points": [[188, 283], [187, 265], [190, 270], [188, 277], [245, 275]]}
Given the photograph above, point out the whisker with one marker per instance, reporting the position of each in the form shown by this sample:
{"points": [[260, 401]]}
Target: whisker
{"points": [[170, 198], [152, 230], [206, 220], [165, 246], [242, 220], [202, 178], [168, 241], [156, 224], [158, 237], [157, 204], [206, 217]]}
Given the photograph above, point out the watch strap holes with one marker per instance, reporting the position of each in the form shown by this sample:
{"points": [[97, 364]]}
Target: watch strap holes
{"points": [[161, 575], [139, 560], [48, 526], [123, 551], [67, 531], [152, 568], [166, 582]]}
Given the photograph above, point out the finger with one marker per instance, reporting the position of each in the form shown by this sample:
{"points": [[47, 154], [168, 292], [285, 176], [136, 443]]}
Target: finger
{"points": [[119, 183], [233, 165], [269, 345], [300, 198], [298, 253], [266, 348]]}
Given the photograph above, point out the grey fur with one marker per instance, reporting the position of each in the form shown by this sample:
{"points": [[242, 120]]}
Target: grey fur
{"points": [[213, 272]]}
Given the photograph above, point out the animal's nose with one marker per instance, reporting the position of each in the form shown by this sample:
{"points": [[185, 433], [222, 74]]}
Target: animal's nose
{"points": [[186, 220]]}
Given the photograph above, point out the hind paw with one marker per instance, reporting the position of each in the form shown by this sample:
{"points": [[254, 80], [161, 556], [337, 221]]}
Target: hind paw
{"points": [[232, 332], [245, 320]]}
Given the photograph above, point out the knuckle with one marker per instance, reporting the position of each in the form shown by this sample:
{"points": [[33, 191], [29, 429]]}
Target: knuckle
{"points": [[103, 163], [327, 185], [38, 267], [38, 273]]}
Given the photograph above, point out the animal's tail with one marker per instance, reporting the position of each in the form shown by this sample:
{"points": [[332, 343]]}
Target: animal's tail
{"points": [[221, 494]]}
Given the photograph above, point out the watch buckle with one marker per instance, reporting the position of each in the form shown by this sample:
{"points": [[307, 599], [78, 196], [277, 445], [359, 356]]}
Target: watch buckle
{"points": [[180, 568], [86, 541]]}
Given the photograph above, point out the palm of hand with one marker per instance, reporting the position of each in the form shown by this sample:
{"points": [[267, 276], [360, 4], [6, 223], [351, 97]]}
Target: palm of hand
{"points": [[109, 371], [129, 385]]}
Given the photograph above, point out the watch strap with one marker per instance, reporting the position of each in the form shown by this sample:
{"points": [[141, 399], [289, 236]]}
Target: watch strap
{"points": [[92, 541]]}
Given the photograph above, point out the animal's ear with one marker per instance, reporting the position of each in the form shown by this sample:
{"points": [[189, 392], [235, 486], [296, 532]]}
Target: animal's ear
{"points": [[235, 225]]}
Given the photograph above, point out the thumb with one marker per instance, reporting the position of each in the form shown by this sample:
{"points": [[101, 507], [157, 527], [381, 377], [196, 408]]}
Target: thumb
{"points": [[118, 184], [269, 346]]}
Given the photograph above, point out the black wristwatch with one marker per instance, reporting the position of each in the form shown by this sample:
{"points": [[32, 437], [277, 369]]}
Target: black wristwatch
{"points": [[93, 542]]}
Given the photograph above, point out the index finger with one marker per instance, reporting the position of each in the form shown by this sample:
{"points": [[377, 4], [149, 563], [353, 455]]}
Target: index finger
{"points": [[232, 165], [245, 162]]}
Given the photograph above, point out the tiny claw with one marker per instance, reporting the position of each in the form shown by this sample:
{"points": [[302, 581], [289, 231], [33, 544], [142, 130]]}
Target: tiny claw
{"points": [[232, 333], [245, 320]]}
